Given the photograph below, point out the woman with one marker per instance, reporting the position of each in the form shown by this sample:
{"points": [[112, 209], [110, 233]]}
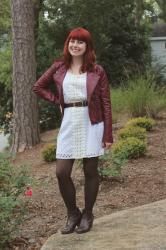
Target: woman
{"points": [[86, 131]]}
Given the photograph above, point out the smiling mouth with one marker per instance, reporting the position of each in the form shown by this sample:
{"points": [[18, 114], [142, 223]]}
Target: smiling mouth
{"points": [[75, 50]]}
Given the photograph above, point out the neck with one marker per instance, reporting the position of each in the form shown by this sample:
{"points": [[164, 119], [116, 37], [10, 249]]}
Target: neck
{"points": [[77, 61]]}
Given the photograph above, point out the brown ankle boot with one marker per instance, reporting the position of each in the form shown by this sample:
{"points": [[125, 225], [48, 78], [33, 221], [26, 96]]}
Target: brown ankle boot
{"points": [[73, 219], [86, 223]]}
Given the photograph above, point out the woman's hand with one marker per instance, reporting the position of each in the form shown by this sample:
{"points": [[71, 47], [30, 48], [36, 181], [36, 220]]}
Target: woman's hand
{"points": [[106, 145]]}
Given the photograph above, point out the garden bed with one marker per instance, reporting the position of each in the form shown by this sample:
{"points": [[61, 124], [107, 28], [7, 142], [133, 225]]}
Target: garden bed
{"points": [[144, 181]]}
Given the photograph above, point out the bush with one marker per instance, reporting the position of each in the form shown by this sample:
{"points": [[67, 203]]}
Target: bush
{"points": [[142, 122], [119, 103], [110, 166], [132, 131], [158, 71], [6, 101], [48, 153], [144, 98], [12, 206], [129, 148], [49, 115]]}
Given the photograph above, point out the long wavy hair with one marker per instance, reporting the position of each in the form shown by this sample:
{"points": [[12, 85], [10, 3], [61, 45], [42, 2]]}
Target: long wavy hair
{"points": [[89, 56]]}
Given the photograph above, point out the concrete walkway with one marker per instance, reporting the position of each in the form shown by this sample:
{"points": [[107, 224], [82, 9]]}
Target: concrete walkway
{"points": [[139, 228]]}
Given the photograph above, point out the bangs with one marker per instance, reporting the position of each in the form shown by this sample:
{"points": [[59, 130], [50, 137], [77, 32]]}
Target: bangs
{"points": [[78, 35]]}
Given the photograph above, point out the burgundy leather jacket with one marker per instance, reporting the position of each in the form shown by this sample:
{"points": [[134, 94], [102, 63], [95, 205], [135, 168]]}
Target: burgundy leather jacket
{"points": [[98, 94]]}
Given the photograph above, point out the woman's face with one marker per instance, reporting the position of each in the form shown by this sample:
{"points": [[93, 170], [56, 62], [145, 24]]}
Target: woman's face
{"points": [[76, 47]]}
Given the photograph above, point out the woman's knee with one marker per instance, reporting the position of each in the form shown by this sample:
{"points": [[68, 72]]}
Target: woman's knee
{"points": [[61, 174], [63, 169], [91, 167]]}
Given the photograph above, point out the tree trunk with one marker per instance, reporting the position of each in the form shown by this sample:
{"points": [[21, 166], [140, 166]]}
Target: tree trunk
{"points": [[25, 112]]}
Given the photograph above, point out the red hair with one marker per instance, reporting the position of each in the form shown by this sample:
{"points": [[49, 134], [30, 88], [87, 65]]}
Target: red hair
{"points": [[89, 56]]}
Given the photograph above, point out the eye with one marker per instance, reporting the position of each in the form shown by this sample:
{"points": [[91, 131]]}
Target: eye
{"points": [[80, 42]]}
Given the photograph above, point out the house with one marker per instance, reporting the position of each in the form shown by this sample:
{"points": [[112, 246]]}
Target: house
{"points": [[158, 45]]}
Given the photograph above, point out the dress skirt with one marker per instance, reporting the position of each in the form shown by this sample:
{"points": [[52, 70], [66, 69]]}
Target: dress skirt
{"points": [[77, 137]]}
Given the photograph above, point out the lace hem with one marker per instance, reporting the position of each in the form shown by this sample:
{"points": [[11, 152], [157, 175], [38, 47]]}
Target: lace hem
{"points": [[70, 156]]}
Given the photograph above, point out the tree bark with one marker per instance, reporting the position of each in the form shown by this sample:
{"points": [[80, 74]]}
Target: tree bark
{"points": [[25, 112]]}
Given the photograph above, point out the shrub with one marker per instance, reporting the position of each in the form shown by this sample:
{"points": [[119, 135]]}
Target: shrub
{"points": [[129, 148], [144, 98], [119, 103], [158, 71], [142, 122], [49, 115], [48, 153], [110, 165], [12, 206], [132, 131]]}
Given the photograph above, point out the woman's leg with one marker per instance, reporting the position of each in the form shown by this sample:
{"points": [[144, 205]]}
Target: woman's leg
{"points": [[91, 188], [68, 192], [66, 185]]}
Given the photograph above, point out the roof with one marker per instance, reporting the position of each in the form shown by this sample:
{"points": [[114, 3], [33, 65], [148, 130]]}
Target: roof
{"points": [[158, 38], [159, 30]]}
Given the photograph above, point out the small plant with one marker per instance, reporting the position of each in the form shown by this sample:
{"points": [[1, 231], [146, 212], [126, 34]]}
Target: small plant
{"points": [[48, 153], [142, 122], [129, 148], [132, 131], [13, 207], [110, 166]]}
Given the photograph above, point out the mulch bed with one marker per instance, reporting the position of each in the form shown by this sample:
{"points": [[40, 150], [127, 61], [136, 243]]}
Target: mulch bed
{"points": [[144, 181]]}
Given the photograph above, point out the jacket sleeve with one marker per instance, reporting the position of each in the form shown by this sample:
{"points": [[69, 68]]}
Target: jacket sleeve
{"points": [[106, 107], [42, 88]]}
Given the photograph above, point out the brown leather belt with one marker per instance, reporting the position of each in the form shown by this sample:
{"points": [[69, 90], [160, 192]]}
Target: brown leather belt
{"points": [[76, 104]]}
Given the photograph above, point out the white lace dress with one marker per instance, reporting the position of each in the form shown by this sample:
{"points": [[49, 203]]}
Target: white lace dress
{"points": [[77, 137]]}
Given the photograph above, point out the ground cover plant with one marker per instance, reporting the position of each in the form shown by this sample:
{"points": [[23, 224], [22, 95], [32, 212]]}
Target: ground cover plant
{"points": [[13, 184]]}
